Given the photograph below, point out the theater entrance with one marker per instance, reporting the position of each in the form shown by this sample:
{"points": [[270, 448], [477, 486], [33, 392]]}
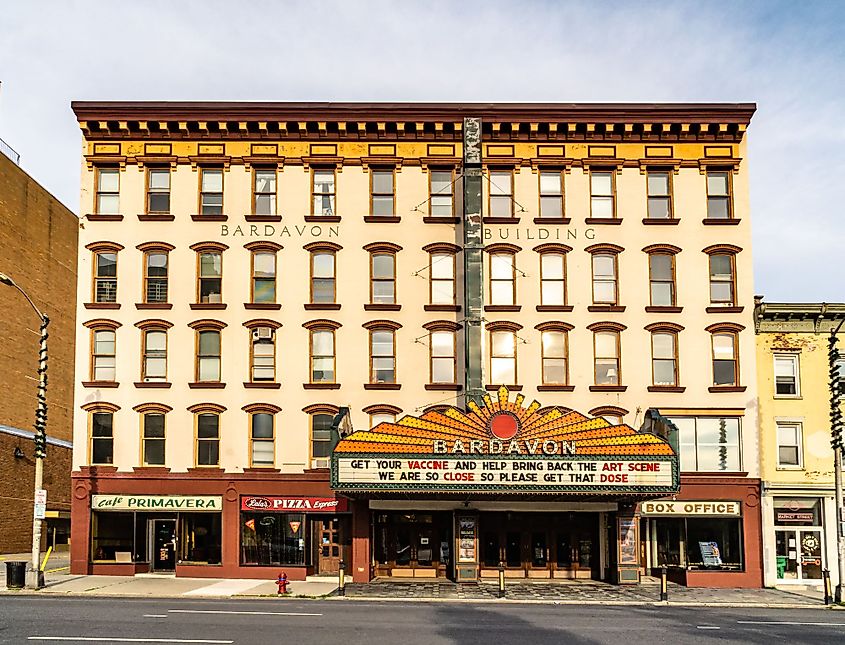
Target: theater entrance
{"points": [[413, 545], [540, 545]]}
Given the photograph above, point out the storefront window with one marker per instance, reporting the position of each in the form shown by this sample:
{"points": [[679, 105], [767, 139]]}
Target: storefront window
{"points": [[273, 538], [709, 444], [714, 543], [698, 543], [112, 536], [199, 538], [798, 512]]}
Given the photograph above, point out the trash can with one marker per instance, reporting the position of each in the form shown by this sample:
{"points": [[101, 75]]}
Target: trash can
{"points": [[15, 575]]}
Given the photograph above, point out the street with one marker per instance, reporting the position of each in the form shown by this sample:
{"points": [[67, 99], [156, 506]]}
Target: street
{"points": [[76, 620]]}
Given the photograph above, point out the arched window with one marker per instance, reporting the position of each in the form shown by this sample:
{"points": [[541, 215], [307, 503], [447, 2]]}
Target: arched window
{"points": [[262, 286], [661, 276], [207, 433], [725, 345], [554, 337], [664, 356], [100, 432], [322, 369], [503, 365], [442, 353], [442, 270], [209, 275], [153, 433], [262, 351], [323, 275], [612, 414], [607, 356], [321, 416], [104, 275], [382, 275], [501, 286], [382, 413], [722, 263], [605, 271], [552, 277], [262, 434], [382, 353], [156, 271], [207, 371], [153, 352], [103, 363]]}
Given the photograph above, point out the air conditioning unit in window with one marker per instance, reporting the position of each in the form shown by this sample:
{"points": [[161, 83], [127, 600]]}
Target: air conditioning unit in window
{"points": [[320, 463], [262, 333]]}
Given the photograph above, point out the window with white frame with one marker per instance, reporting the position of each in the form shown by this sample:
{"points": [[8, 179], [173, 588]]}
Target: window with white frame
{"points": [[786, 375], [709, 444], [789, 444], [108, 191], [501, 193]]}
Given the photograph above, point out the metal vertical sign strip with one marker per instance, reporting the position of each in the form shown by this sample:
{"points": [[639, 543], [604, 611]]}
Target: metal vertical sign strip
{"points": [[473, 266]]}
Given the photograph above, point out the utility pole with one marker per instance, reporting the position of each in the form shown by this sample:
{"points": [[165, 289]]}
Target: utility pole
{"points": [[33, 574], [836, 427]]}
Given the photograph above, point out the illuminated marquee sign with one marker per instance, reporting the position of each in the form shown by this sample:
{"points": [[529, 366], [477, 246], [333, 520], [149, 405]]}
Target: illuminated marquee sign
{"points": [[503, 446]]}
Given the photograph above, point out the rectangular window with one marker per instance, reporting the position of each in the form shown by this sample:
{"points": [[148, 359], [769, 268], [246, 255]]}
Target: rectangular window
{"points": [[105, 277], [719, 195], [724, 360], [607, 371], [262, 439], [211, 277], [661, 272], [664, 364], [659, 195], [722, 283], [381, 192], [108, 191], [323, 191], [103, 360], [502, 279], [709, 444], [555, 370], [381, 417], [155, 355], [263, 277], [382, 278], [786, 375], [321, 440], [442, 356], [442, 284], [501, 193], [602, 195], [208, 356], [322, 356], [382, 356], [502, 358], [264, 192], [789, 445], [155, 276], [208, 439], [441, 192], [552, 279], [263, 355], [551, 193], [153, 444], [322, 277], [268, 539], [604, 279], [158, 190], [102, 438], [211, 191]]}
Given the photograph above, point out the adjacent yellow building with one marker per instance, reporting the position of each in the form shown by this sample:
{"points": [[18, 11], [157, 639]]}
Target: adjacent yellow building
{"points": [[796, 458]]}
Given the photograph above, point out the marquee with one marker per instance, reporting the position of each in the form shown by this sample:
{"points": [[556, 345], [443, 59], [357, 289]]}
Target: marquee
{"points": [[502, 446]]}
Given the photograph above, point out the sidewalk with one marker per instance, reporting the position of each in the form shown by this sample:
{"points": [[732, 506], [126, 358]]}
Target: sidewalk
{"points": [[586, 592]]}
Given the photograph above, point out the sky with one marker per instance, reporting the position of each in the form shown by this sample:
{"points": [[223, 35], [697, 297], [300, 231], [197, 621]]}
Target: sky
{"points": [[788, 57]]}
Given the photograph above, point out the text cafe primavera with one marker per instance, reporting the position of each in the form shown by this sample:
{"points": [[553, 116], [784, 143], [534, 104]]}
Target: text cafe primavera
{"points": [[540, 492]]}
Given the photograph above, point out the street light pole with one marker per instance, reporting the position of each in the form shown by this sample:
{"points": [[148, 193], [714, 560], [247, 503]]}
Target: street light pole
{"points": [[33, 577], [836, 427]]}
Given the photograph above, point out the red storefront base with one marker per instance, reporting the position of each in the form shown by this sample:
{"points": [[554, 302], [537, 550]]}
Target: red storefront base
{"points": [[726, 487], [98, 480]]}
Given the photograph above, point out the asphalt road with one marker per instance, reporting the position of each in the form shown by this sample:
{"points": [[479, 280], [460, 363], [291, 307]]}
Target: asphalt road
{"points": [[35, 620]]}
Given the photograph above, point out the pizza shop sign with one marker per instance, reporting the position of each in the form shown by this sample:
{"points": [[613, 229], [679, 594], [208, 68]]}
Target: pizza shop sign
{"points": [[296, 504]]}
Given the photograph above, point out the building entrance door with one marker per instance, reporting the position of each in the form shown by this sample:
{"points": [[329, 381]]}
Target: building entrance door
{"points": [[164, 545], [799, 554], [328, 559], [413, 544]]}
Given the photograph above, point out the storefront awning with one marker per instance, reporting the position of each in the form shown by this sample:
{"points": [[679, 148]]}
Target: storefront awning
{"points": [[503, 448]]}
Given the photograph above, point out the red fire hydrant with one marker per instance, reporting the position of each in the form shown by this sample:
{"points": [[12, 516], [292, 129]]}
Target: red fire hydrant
{"points": [[282, 582]]}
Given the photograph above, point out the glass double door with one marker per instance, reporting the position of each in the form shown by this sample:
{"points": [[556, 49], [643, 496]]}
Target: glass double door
{"points": [[413, 544], [799, 554]]}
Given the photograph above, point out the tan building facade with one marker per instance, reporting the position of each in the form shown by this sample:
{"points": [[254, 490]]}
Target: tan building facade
{"points": [[247, 270], [38, 238], [796, 457]]}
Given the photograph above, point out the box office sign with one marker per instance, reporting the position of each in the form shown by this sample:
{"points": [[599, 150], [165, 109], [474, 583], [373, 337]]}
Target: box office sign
{"points": [[504, 446], [700, 508], [293, 504], [206, 503]]}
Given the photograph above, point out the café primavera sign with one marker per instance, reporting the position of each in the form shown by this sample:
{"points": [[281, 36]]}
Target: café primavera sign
{"points": [[502, 446]]}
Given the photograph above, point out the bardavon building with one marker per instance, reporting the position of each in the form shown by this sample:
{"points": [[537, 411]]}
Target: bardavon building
{"points": [[427, 340]]}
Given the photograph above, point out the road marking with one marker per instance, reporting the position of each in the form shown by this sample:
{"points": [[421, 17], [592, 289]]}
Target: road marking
{"points": [[707, 627], [114, 639], [155, 615], [240, 613], [786, 622]]}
